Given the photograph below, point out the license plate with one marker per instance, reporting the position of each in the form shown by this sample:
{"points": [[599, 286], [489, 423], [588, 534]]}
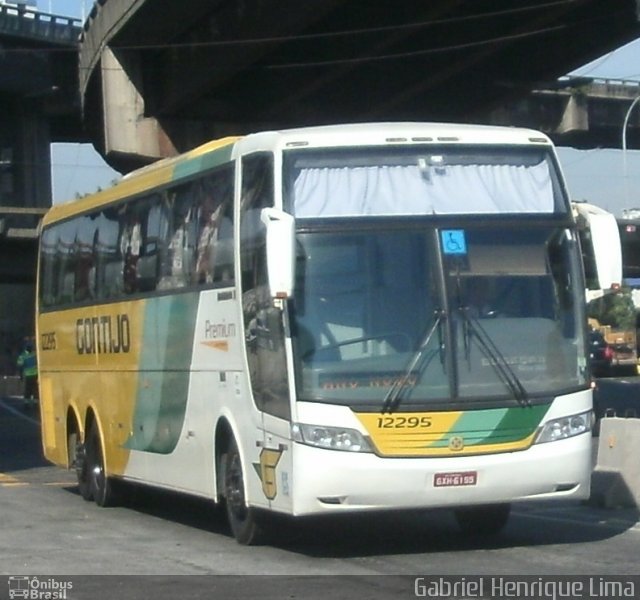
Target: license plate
{"points": [[455, 479]]}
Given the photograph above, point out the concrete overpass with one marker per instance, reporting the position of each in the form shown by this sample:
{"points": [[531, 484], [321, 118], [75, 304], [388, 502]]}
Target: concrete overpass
{"points": [[39, 99], [40, 104], [159, 77], [580, 112]]}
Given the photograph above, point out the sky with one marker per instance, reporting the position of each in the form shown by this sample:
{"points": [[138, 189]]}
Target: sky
{"points": [[597, 176]]}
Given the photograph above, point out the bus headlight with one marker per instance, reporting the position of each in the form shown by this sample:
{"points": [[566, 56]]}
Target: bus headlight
{"points": [[565, 427], [331, 438]]}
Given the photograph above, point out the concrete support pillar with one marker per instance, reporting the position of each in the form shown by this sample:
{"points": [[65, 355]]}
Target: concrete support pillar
{"points": [[576, 115], [126, 129], [25, 162]]}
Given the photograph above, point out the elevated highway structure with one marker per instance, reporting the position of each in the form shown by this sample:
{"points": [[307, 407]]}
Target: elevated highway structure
{"points": [[161, 77], [40, 104]]}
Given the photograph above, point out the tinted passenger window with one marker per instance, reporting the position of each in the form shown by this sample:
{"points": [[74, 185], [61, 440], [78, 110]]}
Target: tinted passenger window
{"points": [[177, 238]]}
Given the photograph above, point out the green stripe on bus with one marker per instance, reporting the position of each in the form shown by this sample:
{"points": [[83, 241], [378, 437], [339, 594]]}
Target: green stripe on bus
{"points": [[163, 383], [495, 425], [519, 423], [201, 163]]}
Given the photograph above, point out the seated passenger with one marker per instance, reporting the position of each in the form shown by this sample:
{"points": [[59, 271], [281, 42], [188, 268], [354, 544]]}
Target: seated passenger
{"points": [[130, 244]]}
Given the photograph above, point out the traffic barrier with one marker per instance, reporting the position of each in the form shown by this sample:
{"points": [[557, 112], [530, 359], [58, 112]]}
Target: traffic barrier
{"points": [[615, 481]]}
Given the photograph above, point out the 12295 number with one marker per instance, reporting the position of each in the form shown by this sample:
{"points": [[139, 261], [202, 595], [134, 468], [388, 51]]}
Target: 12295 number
{"points": [[400, 422]]}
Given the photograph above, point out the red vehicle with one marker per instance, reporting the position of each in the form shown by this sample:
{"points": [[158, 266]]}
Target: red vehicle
{"points": [[600, 354]]}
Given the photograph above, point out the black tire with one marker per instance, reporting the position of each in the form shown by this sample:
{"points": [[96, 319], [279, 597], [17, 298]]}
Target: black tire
{"points": [[101, 487], [243, 520], [488, 519], [78, 458]]}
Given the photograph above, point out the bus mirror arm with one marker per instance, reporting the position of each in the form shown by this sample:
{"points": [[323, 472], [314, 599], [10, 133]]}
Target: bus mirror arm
{"points": [[280, 242]]}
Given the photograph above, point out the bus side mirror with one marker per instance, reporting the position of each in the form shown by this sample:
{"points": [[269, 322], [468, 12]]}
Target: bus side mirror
{"points": [[280, 251]]}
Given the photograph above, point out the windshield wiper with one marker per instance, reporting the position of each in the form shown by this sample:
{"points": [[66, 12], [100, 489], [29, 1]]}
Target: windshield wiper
{"points": [[393, 396], [492, 352]]}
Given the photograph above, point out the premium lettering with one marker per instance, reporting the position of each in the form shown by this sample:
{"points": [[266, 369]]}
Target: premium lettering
{"points": [[214, 331], [103, 335]]}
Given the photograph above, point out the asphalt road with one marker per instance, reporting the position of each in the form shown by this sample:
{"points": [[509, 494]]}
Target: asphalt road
{"points": [[162, 545]]}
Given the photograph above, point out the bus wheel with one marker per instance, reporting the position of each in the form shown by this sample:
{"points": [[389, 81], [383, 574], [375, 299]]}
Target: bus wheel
{"points": [[242, 519], [101, 486], [82, 468], [483, 520]]}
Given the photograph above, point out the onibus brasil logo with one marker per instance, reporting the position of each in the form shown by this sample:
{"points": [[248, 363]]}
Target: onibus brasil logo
{"points": [[38, 588]]}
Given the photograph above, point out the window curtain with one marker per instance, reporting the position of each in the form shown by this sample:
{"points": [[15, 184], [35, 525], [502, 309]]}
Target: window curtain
{"points": [[410, 190]]}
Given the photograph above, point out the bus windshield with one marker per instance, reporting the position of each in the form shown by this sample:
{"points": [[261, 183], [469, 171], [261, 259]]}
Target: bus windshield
{"points": [[381, 309]]}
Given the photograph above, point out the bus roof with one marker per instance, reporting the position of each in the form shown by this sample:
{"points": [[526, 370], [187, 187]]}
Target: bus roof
{"points": [[374, 134], [217, 152]]}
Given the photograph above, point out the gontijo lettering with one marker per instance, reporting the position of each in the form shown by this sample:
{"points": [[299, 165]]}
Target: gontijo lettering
{"points": [[103, 335]]}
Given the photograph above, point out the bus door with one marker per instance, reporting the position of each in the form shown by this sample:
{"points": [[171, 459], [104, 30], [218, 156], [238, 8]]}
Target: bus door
{"points": [[268, 475], [267, 362]]}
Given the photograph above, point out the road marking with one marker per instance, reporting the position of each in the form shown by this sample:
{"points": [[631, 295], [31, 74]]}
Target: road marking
{"points": [[9, 481]]}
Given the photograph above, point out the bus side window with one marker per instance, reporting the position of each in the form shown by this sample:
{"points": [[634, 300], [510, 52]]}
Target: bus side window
{"points": [[66, 259], [209, 214], [264, 333], [151, 232], [257, 193], [223, 268], [84, 276], [108, 263], [49, 267], [176, 238], [214, 256], [130, 246]]}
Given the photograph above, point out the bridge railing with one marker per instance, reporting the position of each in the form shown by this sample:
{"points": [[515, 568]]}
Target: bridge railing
{"points": [[25, 22], [598, 86]]}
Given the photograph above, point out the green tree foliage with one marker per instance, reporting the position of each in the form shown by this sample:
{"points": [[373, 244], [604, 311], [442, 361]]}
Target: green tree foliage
{"points": [[616, 309]]}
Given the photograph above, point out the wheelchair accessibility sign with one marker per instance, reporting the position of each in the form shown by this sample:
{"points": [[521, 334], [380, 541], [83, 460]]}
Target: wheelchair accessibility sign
{"points": [[454, 242]]}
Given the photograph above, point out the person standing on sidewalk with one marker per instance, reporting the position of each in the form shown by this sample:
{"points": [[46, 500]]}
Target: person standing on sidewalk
{"points": [[28, 367]]}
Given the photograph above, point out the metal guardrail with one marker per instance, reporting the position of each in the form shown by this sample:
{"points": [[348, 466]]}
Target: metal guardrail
{"points": [[614, 89], [577, 80], [25, 22]]}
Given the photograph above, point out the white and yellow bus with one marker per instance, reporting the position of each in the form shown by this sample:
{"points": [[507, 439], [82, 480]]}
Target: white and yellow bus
{"points": [[323, 320]]}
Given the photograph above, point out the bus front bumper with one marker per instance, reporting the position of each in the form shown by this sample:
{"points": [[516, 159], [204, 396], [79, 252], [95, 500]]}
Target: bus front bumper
{"points": [[326, 481]]}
